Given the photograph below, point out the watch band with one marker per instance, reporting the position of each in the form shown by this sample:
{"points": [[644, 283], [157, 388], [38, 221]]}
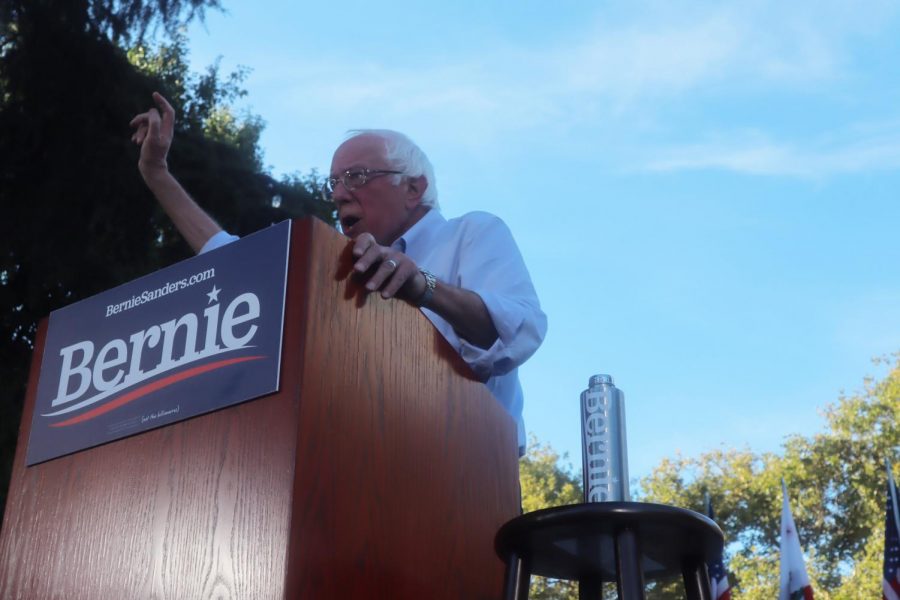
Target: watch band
{"points": [[430, 283]]}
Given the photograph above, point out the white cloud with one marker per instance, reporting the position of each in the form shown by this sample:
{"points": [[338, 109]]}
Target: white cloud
{"points": [[624, 65], [661, 57], [853, 150], [617, 80]]}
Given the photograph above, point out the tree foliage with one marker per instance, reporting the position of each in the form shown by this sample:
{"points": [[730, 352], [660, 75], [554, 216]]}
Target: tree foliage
{"points": [[119, 21], [546, 482], [77, 219], [836, 483], [836, 480]]}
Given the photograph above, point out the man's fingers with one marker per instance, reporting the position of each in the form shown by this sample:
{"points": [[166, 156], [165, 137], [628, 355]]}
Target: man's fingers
{"points": [[368, 252], [153, 123], [139, 135], [139, 119], [385, 270], [162, 103], [361, 246], [393, 269], [168, 113], [390, 277], [139, 132], [399, 278], [374, 254]]}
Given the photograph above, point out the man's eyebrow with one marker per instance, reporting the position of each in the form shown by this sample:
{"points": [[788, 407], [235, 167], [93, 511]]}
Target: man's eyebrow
{"points": [[355, 167]]}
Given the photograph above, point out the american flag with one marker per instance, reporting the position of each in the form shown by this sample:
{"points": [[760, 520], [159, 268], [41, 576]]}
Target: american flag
{"points": [[718, 578], [891, 581]]}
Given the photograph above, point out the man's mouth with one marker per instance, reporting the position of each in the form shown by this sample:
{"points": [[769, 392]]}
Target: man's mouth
{"points": [[348, 222]]}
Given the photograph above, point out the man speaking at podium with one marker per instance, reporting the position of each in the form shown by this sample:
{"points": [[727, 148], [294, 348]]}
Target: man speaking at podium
{"points": [[466, 274]]}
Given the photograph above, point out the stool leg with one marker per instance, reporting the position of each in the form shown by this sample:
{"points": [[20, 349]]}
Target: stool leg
{"points": [[696, 581], [518, 578], [629, 577]]}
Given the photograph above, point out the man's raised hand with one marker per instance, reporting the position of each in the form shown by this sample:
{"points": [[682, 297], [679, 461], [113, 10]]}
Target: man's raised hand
{"points": [[154, 130]]}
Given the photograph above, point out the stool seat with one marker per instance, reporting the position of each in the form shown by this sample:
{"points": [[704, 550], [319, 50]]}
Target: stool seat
{"points": [[610, 541]]}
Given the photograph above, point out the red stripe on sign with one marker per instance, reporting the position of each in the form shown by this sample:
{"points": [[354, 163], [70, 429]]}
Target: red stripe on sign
{"points": [[152, 387]]}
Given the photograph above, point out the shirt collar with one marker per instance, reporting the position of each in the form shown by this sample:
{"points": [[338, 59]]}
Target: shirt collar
{"points": [[421, 230]]}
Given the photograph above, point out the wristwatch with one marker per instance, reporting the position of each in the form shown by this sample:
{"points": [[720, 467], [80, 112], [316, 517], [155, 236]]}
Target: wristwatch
{"points": [[430, 283]]}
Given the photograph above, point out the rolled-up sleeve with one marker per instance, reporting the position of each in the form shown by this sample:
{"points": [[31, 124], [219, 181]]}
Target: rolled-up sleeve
{"points": [[217, 241], [491, 265]]}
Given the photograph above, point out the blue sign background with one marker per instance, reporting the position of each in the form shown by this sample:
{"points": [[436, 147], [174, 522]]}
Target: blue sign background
{"points": [[124, 396]]}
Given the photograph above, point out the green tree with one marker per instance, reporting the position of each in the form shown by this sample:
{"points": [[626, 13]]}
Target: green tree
{"points": [[116, 20], [77, 217], [546, 482], [216, 154], [836, 482]]}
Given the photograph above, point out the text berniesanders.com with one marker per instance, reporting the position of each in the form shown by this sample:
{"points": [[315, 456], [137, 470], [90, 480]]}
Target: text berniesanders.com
{"points": [[169, 288]]}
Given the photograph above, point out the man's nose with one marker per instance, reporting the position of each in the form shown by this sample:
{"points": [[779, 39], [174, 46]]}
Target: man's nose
{"points": [[340, 193]]}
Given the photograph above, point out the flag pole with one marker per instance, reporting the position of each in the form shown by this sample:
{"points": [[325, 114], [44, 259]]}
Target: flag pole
{"points": [[893, 488]]}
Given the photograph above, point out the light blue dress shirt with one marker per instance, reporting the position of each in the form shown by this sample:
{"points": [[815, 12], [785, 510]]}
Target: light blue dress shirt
{"points": [[477, 252]]}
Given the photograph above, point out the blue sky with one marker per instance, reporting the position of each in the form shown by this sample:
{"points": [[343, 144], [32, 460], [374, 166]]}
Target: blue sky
{"points": [[706, 194]]}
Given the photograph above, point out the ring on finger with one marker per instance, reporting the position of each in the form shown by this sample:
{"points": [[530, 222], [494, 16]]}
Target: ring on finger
{"points": [[391, 263]]}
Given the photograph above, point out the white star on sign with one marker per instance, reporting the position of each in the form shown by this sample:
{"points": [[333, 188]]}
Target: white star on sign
{"points": [[213, 295]]}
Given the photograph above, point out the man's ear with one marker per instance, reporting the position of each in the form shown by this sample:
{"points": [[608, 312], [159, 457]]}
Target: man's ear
{"points": [[415, 188]]}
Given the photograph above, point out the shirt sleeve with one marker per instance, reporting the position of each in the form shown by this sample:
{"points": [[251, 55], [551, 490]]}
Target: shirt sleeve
{"points": [[492, 267], [217, 241]]}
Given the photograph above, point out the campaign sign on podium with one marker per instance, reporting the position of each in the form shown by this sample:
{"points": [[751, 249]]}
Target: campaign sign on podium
{"points": [[194, 337]]}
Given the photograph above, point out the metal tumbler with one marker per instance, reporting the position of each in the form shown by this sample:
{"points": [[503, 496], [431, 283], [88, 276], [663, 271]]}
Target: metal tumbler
{"points": [[604, 451]]}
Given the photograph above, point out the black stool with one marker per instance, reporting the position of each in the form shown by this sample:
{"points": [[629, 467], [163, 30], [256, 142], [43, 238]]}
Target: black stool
{"points": [[624, 542]]}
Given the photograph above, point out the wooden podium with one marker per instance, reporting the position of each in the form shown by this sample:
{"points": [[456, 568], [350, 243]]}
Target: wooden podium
{"points": [[381, 469]]}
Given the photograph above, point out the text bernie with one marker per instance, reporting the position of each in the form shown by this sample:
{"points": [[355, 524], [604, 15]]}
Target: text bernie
{"points": [[167, 346]]}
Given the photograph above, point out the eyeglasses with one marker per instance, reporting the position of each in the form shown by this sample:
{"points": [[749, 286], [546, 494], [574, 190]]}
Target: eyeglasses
{"points": [[353, 179]]}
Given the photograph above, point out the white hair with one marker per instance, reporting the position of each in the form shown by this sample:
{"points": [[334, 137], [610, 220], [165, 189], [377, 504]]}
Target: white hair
{"points": [[404, 155]]}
